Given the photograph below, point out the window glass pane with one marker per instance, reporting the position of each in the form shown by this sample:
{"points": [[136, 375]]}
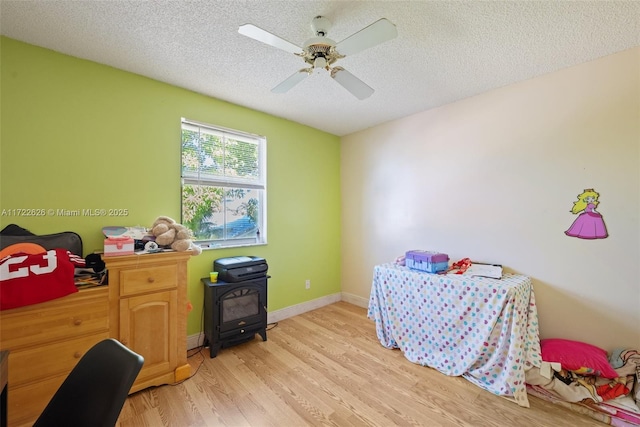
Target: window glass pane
{"points": [[241, 210], [203, 154], [212, 157], [190, 152], [199, 203], [215, 213], [242, 159]]}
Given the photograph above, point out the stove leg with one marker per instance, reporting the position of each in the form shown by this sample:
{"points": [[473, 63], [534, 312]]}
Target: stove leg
{"points": [[263, 334], [213, 350]]}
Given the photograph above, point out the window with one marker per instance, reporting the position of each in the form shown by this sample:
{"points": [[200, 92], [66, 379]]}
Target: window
{"points": [[223, 185]]}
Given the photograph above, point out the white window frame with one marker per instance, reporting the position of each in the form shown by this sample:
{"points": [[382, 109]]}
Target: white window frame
{"points": [[229, 182]]}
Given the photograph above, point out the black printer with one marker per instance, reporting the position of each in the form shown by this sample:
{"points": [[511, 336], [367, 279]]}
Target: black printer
{"points": [[239, 268]]}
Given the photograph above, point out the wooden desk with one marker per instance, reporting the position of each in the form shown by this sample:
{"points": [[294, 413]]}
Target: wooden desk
{"points": [[485, 330], [4, 379]]}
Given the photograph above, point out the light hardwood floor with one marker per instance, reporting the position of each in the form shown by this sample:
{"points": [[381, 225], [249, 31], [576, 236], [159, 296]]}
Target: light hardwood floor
{"points": [[326, 367]]}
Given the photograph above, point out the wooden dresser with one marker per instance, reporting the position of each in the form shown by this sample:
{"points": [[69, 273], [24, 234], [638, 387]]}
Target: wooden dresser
{"points": [[144, 307], [148, 313]]}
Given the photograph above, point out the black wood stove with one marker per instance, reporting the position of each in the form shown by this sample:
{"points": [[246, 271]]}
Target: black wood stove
{"points": [[235, 307]]}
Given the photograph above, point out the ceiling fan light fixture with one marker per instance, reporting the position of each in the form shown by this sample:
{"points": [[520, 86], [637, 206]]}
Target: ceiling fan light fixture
{"points": [[320, 63]]}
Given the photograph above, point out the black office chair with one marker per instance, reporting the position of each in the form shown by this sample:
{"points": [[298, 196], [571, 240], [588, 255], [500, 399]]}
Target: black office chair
{"points": [[95, 391]]}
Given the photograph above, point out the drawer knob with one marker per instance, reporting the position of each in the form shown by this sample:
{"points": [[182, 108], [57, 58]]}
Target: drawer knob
{"points": [[77, 322], [77, 355], [242, 331], [151, 280]]}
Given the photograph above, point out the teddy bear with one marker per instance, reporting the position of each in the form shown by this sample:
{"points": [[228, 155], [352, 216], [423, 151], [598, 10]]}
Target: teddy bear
{"points": [[172, 234]]}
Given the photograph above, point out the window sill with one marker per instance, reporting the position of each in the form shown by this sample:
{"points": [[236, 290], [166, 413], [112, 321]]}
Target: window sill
{"points": [[209, 247]]}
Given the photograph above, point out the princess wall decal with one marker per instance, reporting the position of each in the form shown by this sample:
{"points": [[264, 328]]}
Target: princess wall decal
{"points": [[589, 224]]}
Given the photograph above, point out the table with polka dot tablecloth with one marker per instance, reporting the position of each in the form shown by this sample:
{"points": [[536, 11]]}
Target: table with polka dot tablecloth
{"points": [[485, 330]]}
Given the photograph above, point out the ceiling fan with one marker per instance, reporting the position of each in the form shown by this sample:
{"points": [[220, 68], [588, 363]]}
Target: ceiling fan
{"points": [[321, 52]]}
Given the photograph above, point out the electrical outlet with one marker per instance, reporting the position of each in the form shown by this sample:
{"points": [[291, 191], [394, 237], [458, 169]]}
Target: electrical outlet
{"points": [[307, 284]]}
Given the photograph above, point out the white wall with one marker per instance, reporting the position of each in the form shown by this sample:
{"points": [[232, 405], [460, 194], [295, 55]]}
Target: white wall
{"points": [[493, 178]]}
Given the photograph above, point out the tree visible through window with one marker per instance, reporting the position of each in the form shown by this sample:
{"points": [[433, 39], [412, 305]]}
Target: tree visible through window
{"points": [[223, 185]]}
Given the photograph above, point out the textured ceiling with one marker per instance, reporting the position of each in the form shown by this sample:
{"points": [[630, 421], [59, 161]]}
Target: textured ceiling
{"points": [[445, 50]]}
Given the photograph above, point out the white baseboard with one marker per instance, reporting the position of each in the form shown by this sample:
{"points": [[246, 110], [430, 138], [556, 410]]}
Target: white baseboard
{"points": [[294, 310], [196, 340], [355, 300]]}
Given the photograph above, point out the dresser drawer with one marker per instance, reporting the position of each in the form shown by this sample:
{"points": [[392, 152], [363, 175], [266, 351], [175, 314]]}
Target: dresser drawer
{"points": [[77, 314], [140, 280], [39, 362], [26, 403]]}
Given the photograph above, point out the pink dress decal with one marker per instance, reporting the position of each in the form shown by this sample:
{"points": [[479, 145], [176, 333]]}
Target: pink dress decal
{"points": [[589, 224]]}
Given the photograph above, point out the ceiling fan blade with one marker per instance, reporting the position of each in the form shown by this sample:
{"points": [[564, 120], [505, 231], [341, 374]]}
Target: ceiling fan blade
{"points": [[357, 87], [291, 81], [376, 33], [266, 37]]}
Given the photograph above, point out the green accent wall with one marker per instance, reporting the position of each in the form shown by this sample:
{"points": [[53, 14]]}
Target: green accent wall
{"points": [[78, 135]]}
